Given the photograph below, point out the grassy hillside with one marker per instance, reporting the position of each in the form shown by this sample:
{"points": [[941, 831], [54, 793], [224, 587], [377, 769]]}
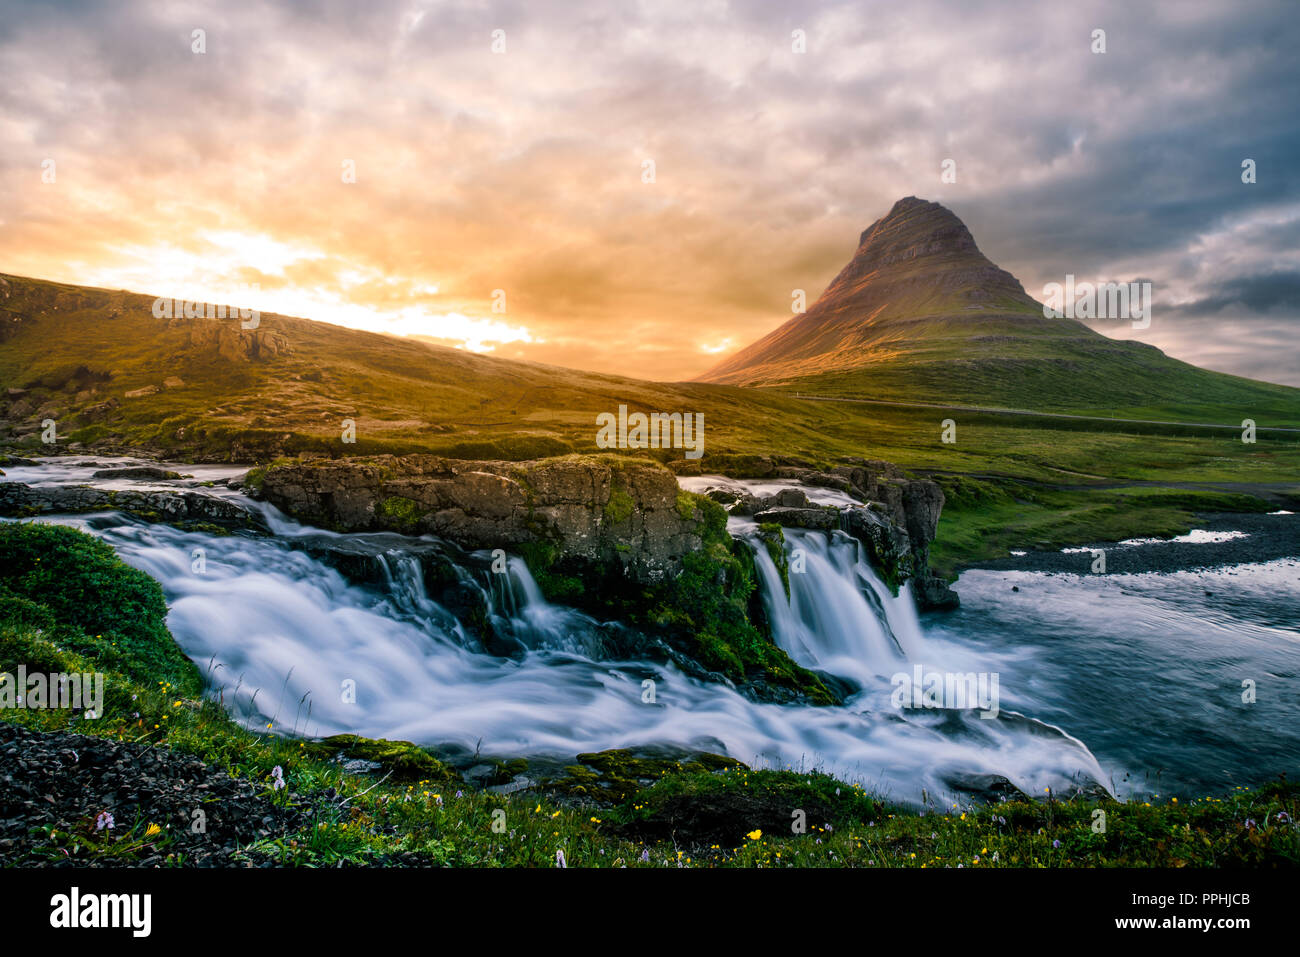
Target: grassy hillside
{"points": [[1103, 377], [73, 354]]}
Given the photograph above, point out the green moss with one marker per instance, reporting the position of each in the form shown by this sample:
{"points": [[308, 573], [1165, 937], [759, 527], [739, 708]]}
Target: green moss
{"points": [[540, 556], [503, 772], [619, 507], [719, 808], [406, 761], [102, 606], [712, 608], [686, 505], [256, 476], [609, 777], [399, 513]]}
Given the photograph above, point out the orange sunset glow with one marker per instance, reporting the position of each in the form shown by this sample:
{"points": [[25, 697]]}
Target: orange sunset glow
{"points": [[392, 172]]}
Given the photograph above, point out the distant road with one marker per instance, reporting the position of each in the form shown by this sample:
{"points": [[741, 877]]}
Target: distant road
{"points": [[1030, 412]]}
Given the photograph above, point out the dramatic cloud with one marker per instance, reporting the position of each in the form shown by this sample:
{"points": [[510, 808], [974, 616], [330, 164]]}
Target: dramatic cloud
{"points": [[199, 175]]}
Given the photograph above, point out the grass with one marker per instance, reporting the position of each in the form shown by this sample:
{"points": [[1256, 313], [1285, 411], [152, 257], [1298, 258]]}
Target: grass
{"points": [[408, 396], [405, 395], [984, 519], [610, 810]]}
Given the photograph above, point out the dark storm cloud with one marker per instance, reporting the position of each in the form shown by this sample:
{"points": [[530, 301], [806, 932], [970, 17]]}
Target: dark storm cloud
{"points": [[1252, 295]]}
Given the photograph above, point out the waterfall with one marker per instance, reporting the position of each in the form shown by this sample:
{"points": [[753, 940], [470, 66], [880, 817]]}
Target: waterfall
{"points": [[403, 575], [520, 613], [272, 623], [840, 616]]}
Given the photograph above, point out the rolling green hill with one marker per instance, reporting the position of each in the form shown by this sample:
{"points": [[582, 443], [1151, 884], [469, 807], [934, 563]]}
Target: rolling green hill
{"points": [[111, 374]]}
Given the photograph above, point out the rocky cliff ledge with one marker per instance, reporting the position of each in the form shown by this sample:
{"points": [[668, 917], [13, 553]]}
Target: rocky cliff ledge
{"points": [[897, 519], [601, 510]]}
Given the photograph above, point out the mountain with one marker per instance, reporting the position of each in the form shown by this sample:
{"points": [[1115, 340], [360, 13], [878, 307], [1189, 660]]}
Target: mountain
{"points": [[920, 314]]}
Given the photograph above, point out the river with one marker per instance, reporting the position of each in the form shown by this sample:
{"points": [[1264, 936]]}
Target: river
{"points": [[1130, 682]]}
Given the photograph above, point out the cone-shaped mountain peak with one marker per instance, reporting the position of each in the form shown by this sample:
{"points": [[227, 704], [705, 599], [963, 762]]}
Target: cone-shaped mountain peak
{"points": [[917, 286], [914, 219]]}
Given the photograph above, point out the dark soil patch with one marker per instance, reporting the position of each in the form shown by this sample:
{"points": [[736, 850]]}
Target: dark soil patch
{"points": [[65, 781]]}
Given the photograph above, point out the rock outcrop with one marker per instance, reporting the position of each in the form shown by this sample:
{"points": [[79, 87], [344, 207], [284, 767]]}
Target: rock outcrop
{"points": [[227, 339], [897, 521], [600, 510], [603, 511], [173, 507]]}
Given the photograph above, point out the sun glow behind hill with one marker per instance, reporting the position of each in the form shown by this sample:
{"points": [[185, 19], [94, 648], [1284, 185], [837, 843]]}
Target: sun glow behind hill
{"points": [[294, 279]]}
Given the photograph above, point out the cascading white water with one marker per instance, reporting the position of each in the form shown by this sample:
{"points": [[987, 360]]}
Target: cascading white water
{"points": [[839, 617], [516, 600], [273, 627]]}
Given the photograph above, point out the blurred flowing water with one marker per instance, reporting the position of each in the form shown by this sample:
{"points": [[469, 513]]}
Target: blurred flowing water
{"points": [[1145, 669]]}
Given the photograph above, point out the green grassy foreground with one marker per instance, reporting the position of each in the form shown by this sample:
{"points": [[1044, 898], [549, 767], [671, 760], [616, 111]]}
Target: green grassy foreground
{"points": [[67, 603]]}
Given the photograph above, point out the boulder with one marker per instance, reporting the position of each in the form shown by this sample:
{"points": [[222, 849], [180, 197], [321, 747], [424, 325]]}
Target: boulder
{"points": [[227, 339], [600, 510]]}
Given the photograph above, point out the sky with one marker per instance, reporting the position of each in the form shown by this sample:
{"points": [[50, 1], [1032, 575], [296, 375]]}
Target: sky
{"points": [[638, 188]]}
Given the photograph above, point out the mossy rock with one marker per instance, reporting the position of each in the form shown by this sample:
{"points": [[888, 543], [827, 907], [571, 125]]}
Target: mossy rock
{"points": [[400, 514], [406, 761], [619, 508], [710, 613], [503, 772], [609, 777], [720, 809]]}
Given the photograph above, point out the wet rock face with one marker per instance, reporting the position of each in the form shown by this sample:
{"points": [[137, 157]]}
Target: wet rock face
{"points": [[17, 498], [819, 518], [896, 523], [597, 510]]}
